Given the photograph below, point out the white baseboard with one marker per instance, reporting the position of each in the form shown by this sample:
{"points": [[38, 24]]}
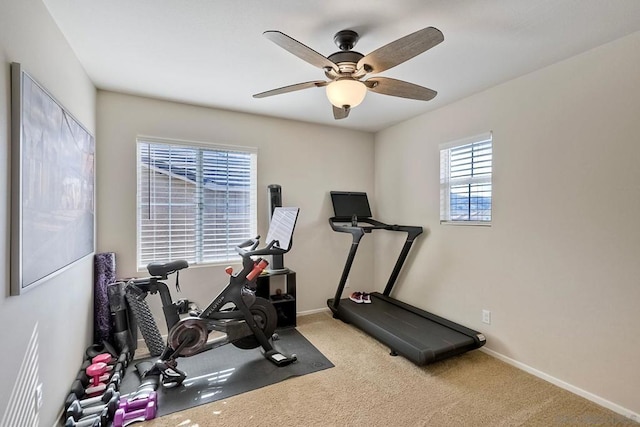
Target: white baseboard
{"points": [[562, 384], [308, 312]]}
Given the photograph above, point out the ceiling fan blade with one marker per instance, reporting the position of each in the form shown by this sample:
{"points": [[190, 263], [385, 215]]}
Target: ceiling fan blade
{"points": [[401, 50], [301, 51], [291, 88], [402, 89], [340, 113]]}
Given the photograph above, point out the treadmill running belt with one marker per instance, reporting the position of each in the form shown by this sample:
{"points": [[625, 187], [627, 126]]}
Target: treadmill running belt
{"points": [[414, 336]]}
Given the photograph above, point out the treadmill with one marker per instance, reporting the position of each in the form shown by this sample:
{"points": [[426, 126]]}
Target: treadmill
{"points": [[418, 335]]}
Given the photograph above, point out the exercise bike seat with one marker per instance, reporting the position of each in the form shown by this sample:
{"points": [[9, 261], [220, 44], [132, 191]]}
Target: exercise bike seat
{"points": [[163, 269]]}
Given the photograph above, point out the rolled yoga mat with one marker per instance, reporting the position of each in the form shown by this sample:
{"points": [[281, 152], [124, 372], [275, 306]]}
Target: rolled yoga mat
{"points": [[104, 273]]}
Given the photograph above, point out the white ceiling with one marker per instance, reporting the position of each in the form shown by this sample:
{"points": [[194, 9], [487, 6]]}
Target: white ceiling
{"points": [[212, 52]]}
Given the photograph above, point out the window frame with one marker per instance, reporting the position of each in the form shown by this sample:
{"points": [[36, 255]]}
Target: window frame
{"points": [[446, 182], [232, 257]]}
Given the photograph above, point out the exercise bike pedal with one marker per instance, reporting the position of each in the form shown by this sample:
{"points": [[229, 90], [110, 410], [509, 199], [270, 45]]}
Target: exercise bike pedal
{"points": [[172, 379], [280, 359], [170, 375]]}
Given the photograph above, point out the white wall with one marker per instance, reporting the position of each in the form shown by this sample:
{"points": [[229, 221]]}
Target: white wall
{"points": [[61, 310], [558, 268], [306, 160]]}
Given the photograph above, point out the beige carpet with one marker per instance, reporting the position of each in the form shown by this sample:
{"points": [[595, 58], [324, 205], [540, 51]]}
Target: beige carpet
{"points": [[367, 387]]}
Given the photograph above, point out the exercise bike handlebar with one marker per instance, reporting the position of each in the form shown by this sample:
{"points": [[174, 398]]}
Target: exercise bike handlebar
{"points": [[162, 270], [252, 244]]}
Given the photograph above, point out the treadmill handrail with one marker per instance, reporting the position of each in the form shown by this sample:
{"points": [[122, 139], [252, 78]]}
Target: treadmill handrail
{"points": [[357, 231], [343, 225]]}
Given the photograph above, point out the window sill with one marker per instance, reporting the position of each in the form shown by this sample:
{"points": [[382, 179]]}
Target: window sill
{"points": [[467, 223]]}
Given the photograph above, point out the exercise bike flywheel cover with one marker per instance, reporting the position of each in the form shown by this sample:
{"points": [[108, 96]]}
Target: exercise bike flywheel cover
{"points": [[189, 330]]}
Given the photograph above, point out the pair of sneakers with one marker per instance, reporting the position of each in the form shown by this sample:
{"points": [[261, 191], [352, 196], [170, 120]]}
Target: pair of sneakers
{"points": [[360, 297]]}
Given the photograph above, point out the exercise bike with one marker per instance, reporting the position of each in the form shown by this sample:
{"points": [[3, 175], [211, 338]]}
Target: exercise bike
{"points": [[246, 321]]}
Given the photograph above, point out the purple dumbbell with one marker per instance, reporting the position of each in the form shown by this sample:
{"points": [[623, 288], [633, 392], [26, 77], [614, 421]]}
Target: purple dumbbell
{"points": [[138, 402], [122, 418]]}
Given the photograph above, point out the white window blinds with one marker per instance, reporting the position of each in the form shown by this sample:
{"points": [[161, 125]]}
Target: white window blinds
{"points": [[465, 180], [194, 203]]}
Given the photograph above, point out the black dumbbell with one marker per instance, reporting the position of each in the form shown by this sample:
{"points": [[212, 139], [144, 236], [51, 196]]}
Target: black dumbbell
{"points": [[76, 411], [123, 358], [127, 353], [82, 390], [77, 389], [91, 401], [95, 349], [82, 373], [117, 375], [97, 420]]}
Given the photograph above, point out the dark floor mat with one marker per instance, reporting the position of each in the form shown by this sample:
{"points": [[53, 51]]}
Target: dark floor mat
{"points": [[227, 371]]}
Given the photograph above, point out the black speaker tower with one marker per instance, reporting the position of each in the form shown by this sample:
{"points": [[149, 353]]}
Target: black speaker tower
{"points": [[274, 192]]}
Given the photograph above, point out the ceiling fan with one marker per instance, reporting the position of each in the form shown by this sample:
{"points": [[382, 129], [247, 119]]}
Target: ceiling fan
{"points": [[346, 68]]}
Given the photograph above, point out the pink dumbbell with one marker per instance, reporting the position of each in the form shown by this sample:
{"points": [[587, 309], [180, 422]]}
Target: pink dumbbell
{"points": [[96, 371], [102, 358]]}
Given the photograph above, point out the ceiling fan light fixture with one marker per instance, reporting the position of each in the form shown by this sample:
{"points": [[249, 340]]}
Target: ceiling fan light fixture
{"points": [[346, 92]]}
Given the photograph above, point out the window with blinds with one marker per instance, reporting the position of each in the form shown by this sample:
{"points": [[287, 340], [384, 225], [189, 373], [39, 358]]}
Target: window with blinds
{"points": [[194, 202], [465, 180]]}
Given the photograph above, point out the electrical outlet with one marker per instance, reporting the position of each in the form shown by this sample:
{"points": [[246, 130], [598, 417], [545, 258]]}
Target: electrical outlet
{"points": [[347, 284], [38, 397], [486, 317]]}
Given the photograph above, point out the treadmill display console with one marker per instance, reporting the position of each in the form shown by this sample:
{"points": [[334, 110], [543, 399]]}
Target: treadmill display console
{"points": [[346, 204]]}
